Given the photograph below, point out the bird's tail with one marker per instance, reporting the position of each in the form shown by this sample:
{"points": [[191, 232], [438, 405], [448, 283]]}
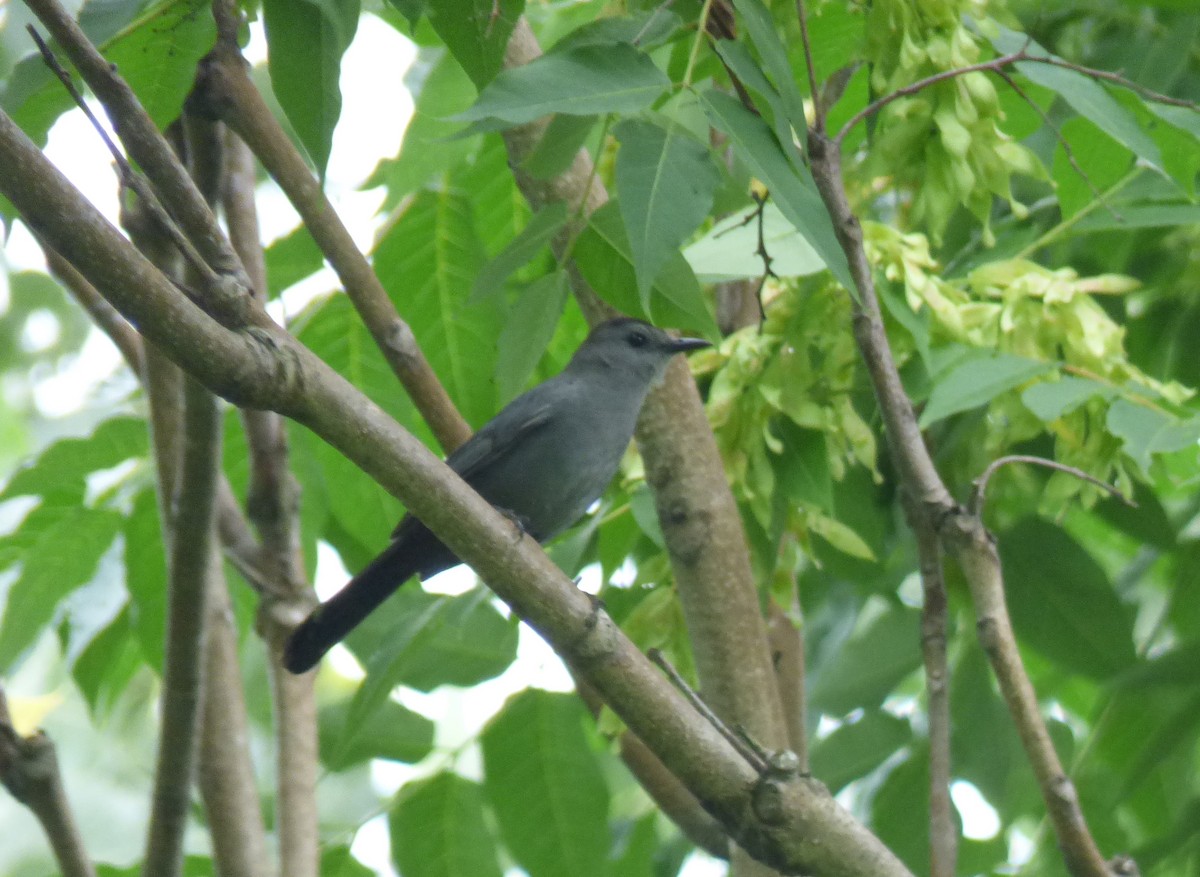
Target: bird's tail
{"points": [[333, 620]]}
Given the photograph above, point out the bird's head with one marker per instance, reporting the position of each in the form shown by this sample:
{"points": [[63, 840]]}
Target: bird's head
{"points": [[631, 348]]}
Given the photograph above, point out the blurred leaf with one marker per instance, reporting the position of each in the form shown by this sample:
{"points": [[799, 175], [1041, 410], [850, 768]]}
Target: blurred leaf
{"points": [[439, 828], [559, 146], [105, 666], [61, 549], [290, 259], [440, 88], [1086, 96], [533, 238], [146, 578], [602, 254], [158, 58], [857, 748], [585, 81], [977, 382], [428, 261], [868, 666], [1146, 430], [728, 250], [792, 188], [65, 465], [531, 324], [1100, 163], [756, 18], [476, 32], [1050, 400], [645, 29], [391, 732], [545, 786], [425, 640], [306, 40], [1062, 603], [900, 810], [665, 183]]}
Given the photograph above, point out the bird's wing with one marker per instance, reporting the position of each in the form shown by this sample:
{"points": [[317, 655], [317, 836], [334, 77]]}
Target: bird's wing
{"points": [[498, 437]]}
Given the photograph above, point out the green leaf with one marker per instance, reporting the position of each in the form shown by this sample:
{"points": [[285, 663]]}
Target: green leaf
{"points": [[531, 324], [534, 237], [545, 786], [857, 748], [1146, 431], [146, 578], [476, 32], [729, 250], [589, 80], [645, 29], [439, 828], [61, 553], [1130, 216], [559, 145], [665, 185], [306, 40], [428, 261], [603, 256], [392, 732], [65, 465], [1050, 400], [1100, 163], [756, 18], [440, 88], [870, 664], [977, 382], [290, 259], [1086, 96], [1062, 603], [792, 188], [158, 59], [424, 640], [106, 664]]}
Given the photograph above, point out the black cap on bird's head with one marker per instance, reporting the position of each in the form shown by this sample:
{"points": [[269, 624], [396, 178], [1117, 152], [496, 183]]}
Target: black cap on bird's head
{"points": [[631, 345]]}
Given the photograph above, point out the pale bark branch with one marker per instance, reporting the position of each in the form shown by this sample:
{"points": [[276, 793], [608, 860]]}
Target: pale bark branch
{"points": [[943, 829], [190, 569], [961, 534], [789, 821], [274, 506], [229, 94]]}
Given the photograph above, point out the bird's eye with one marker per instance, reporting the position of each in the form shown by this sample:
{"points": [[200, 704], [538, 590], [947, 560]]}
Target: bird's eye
{"points": [[638, 339]]}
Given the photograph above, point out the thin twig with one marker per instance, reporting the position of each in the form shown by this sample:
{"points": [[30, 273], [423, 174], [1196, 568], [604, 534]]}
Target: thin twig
{"points": [[1062, 141], [996, 65], [810, 67], [921, 84], [980, 484], [129, 178], [736, 740]]}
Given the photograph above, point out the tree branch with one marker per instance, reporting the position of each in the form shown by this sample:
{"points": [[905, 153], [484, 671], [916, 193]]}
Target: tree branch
{"points": [[274, 505], [962, 534], [789, 821], [943, 830], [29, 770], [191, 560], [228, 93]]}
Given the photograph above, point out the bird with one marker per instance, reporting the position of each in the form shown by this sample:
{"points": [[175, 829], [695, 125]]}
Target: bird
{"points": [[543, 460]]}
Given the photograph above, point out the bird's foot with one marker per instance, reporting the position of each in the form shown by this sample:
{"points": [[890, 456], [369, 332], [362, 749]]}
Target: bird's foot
{"points": [[520, 522]]}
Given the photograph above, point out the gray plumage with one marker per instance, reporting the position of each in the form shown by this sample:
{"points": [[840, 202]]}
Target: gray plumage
{"points": [[546, 457]]}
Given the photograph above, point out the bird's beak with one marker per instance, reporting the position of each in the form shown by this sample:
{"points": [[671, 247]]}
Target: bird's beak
{"points": [[683, 345]]}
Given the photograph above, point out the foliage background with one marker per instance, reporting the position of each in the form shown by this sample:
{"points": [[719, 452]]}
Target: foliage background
{"points": [[1040, 256]]}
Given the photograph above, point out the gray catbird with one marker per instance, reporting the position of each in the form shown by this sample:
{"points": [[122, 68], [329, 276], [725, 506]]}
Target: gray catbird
{"points": [[543, 460]]}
